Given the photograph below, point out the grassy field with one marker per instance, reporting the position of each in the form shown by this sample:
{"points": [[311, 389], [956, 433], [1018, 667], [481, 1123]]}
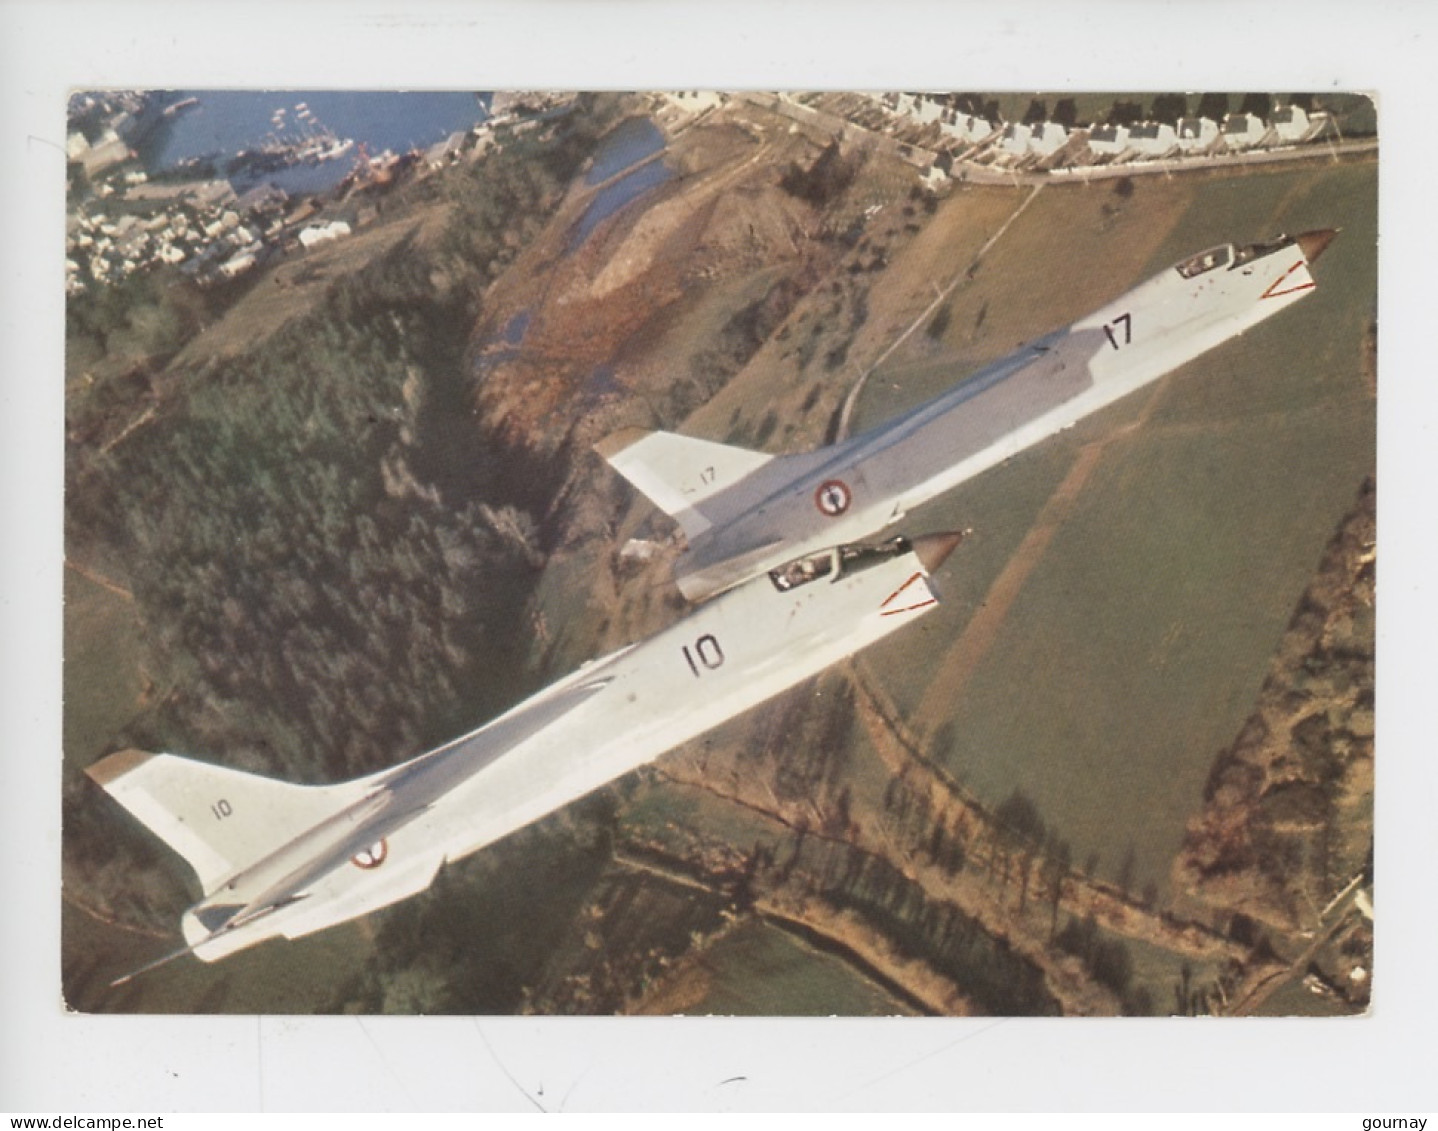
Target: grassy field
{"points": [[662, 808], [1143, 628], [102, 667], [299, 284], [759, 970]]}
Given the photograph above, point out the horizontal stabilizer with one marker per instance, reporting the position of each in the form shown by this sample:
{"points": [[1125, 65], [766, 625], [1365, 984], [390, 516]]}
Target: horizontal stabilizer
{"points": [[220, 820], [679, 472]]}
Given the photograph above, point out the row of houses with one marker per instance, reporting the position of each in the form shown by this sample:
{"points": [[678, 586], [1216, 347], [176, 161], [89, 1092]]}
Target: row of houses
{"points": [[971, 137]]}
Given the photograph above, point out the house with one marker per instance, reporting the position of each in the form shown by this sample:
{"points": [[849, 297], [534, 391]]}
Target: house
{"points": [[99, 159], [323, 233], [1196, 135], [1294, 124], [1243, 131], [690, 102], [965, 128], [1153, 139], [1015, 139], [1108, 140], [974, 129], [445, 151], [241, 261], [1290, 123], [1047, 138]]}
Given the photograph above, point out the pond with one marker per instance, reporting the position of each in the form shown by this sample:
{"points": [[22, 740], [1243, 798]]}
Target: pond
{"points": [[627, 144], [614, 196]]}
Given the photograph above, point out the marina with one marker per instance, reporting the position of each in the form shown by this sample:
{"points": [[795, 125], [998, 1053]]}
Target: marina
{"points": [[301, 141]]}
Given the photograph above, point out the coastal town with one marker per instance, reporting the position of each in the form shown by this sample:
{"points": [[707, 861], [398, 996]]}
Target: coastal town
{"points": [[216, 221]]}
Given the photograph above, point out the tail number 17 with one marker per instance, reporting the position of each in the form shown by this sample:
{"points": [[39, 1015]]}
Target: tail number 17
{"points": [[1111, 328]]}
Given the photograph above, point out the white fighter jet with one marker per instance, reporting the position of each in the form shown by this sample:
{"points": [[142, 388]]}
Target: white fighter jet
{"points": [[743, 512], [274, 858]]}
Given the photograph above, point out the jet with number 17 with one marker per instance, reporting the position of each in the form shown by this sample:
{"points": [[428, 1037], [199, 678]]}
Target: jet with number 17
{"points": [[744, 512]]}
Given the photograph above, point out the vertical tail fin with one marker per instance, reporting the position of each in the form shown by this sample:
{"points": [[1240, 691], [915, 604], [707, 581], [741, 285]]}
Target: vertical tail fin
{"points": [[678, 472], [219, 820]]}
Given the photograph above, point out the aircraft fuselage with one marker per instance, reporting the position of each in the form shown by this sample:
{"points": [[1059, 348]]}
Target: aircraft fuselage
{"points": [[352, 848], [866, 483]]}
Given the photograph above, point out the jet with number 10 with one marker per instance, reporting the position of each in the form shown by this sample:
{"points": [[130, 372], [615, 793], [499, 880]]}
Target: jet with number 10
{"points": [[277, 859], [744, 512]]}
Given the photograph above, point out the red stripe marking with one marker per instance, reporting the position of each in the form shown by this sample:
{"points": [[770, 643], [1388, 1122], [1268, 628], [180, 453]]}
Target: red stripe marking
{"points": [[909, 609], [1272, 292], [900, 589]]}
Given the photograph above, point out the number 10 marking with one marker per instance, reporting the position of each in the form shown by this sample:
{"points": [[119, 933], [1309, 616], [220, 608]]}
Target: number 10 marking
{"points": [[708, 651]]}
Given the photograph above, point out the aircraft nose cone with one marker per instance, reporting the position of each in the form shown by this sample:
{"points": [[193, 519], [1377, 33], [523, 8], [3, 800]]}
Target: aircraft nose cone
{"points": [[933, 550], [1312, 243]]}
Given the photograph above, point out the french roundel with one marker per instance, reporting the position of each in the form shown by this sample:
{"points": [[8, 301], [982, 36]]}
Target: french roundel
{"points": [[371, 857], [833, 497]]}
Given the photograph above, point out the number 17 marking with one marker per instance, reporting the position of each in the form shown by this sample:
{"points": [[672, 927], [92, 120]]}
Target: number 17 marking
{"points": [[1127, 320]]}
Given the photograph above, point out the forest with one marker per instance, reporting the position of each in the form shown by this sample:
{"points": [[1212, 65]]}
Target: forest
{"points": [[331, 562]]}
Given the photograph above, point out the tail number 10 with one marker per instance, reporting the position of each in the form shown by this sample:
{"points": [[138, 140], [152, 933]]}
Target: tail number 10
{"points": [[705, 654]]}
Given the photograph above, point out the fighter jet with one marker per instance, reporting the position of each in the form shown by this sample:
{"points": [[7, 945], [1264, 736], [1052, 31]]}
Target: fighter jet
{"points": [[743, 512], [276, 859]]}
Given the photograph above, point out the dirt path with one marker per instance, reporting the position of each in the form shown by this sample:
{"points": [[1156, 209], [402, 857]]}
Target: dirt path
{"points": [[1271, 981], [103, 582], [969, 648], [139, 422], [846, 415], [110, 921]]}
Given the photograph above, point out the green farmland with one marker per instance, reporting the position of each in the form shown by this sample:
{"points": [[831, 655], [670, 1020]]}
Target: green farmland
{"points": [[760, 970], [1136, 642]]}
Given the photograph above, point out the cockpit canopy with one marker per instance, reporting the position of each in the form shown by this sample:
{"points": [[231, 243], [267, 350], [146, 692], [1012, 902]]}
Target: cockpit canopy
{"points": [[1208, 260], [1259, 250], [835, 562], [1226, 256]]}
